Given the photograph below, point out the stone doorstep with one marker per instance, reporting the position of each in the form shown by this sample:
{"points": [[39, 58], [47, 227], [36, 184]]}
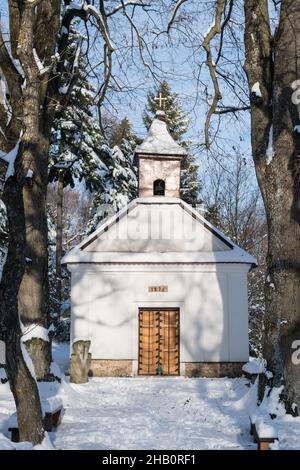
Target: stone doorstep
{"points": [[124, 368]]}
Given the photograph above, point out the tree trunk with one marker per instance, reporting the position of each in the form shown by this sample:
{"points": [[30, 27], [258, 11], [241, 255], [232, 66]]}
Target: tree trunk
{"points": [[59, 238], [33, 296], [34, 288], [34, 28], [273, 117], [22, 384]]}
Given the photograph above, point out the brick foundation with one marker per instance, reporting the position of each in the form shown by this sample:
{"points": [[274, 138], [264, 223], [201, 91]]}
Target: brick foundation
{"points": [[111, 368], [123, 368], [213, 369]]}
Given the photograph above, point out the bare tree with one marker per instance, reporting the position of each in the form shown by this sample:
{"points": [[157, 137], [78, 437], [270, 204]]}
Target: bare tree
{"points": [[233, 204], [272, 63], [232, 199], [33, 64], [272, 69]]}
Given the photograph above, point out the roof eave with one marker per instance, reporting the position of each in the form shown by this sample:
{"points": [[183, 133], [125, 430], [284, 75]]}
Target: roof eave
{"points": [[160, 155]]}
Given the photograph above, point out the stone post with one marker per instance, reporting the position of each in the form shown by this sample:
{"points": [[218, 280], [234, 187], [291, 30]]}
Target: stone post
{"points": [[80, 362]]}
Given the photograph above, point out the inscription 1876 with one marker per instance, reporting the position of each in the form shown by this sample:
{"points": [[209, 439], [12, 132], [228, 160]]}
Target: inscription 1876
{"points": [[158, 289]]}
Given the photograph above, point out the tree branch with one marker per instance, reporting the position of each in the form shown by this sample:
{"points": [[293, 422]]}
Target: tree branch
{"points": [[174, 14], [214, 30], [231, 109], [126, 4]]}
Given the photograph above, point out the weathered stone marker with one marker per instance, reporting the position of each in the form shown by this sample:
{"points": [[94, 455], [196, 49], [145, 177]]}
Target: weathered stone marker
{"points": [[80, 362]]}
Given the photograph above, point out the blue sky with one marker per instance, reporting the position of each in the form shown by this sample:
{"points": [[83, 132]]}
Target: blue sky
{"points": [[180, 59]]}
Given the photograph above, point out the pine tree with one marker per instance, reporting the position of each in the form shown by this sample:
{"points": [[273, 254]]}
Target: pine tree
{"points": [[78, 148], [120, 188], [77, 152], [124, 138], [121, 178], [177, 122]]}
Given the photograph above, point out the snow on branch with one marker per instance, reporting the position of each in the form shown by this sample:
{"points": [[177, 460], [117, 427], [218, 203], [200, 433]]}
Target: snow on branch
{"points": [[40, 65], [65, 165], [4, 101], [10, 158], [92, 10], [230, 109], [34, 331], [33, 3], [64, 90], [174, 14], [141, 42], [27, 360], [127, 4]]}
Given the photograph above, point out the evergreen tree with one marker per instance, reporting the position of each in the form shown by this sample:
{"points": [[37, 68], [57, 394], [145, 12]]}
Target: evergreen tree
{"points": [[78, 152], [124, 138], [177, 122], [120, 188], [121, 178], [78, 148]]}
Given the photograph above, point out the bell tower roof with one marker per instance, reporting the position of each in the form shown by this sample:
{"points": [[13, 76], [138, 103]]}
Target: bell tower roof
{"points": [[159, 141]]}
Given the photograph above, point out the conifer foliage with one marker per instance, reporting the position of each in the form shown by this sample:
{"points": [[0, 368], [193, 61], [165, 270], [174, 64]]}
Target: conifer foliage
{"points": [[77, 145], [124, 138], [121, 178]]}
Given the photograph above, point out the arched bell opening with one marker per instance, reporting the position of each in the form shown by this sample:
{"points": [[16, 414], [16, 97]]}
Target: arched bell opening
{"points": [[159, 188]]}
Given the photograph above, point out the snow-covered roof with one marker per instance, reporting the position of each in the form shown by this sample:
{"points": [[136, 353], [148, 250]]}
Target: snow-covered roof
{"points": [[100, 248], [159, 141]]}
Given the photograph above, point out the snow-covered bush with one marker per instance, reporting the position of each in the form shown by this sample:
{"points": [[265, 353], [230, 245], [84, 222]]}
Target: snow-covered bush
{"points": [[61, 331]]}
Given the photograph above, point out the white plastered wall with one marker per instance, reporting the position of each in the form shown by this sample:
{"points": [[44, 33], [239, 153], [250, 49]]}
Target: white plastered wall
{"points": [[212, 300], [157, 228]]}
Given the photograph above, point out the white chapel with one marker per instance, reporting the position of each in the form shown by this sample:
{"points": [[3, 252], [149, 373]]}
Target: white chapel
{"points": [[156, 288]]}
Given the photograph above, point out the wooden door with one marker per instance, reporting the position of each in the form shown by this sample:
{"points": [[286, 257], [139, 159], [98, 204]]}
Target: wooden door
{"points": [[159, 342], [148, 341], [169, 341]]}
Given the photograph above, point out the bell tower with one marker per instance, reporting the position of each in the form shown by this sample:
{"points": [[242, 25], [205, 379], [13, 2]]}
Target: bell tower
{"points": [[159, 161]]}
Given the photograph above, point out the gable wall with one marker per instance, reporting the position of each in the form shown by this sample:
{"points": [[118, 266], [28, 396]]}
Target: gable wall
{"points": [[157, 228]]}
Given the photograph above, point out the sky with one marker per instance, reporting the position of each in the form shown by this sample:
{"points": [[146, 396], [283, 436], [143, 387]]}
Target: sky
{"points": [[181, 61], [178, 58]]}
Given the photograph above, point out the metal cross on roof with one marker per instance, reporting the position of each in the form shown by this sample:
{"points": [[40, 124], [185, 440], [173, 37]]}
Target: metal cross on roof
{"points": [[161, 100]]}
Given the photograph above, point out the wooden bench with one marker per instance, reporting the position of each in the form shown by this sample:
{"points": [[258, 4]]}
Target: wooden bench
{"points": [[52, 410], [263, 434]]}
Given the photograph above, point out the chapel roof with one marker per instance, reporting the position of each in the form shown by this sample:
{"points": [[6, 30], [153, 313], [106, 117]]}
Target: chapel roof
{"points": [[159, 141], [222, 251]]}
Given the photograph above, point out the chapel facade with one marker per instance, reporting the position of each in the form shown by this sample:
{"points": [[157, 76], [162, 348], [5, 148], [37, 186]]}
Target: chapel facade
{"points": [[156, 288]]}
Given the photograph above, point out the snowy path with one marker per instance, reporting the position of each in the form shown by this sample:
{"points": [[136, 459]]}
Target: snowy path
{"points": [[154, 413], [150, 413]]}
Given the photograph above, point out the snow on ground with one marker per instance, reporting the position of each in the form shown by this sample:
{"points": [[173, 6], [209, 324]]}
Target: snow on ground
{"points": [[151, 413], [154, 413]]}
